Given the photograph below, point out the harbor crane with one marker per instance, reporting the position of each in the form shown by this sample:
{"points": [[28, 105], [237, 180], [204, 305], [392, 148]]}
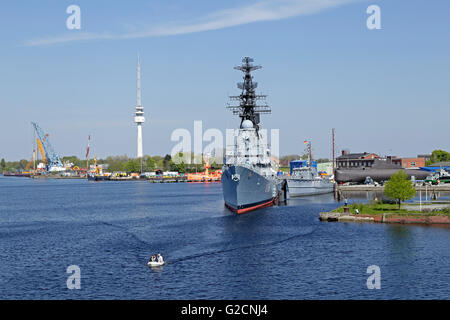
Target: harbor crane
{"points": [[49, 156]]}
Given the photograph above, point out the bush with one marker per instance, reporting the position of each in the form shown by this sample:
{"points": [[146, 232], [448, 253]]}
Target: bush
{"points": [[445, 210]]}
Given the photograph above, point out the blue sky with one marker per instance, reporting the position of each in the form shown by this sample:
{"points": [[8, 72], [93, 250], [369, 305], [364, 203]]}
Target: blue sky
{"points": [[385, 91]]}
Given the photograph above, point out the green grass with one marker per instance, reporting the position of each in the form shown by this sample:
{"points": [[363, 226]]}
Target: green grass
{"points": [[380, 208]]}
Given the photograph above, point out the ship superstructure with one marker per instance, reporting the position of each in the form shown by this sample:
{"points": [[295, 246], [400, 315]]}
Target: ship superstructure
{"points": [[249, 177]]}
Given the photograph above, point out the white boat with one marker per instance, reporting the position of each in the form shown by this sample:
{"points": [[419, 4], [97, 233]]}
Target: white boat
{"points": [[305, 180], [302, 182], [155, 263]]}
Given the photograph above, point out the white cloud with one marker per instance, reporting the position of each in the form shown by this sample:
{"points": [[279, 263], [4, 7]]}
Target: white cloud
{"points": [[266, 10]]}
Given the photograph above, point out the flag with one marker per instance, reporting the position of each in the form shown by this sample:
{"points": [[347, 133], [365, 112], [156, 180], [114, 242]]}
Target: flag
{"points": [[305, 142]]}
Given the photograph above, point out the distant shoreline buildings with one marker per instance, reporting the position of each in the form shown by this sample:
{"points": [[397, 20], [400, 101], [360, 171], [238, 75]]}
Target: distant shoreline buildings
{"points": [[349, 160]]}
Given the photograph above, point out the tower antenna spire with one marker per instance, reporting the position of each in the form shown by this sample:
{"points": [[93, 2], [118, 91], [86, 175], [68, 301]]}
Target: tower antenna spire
{"points": [[138, 81], [139, 118]]}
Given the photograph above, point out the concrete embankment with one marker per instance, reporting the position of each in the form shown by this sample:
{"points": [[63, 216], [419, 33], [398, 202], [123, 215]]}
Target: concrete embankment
{"points": [[343, 217]]}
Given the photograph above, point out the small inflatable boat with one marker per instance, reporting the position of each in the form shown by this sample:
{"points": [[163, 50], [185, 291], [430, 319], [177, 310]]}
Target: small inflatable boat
{"points": [[155, 263]]}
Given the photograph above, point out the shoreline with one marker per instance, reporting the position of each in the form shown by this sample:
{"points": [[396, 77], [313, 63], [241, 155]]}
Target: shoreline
{"points": [[424, 218], [359, 188]]}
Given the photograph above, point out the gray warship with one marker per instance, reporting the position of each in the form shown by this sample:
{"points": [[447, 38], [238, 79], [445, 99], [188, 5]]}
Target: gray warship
{"points": [[305, 180], [249, 178]]}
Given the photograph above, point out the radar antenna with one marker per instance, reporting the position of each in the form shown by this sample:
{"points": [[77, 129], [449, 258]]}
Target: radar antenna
{"points": [[247, 108]]}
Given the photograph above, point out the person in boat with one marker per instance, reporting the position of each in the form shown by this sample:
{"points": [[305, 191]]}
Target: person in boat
{"points": [[160, 258], [153, 258]]}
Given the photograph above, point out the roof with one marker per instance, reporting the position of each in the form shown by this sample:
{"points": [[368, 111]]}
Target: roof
{"points": [[437, 166], [353, 156]]}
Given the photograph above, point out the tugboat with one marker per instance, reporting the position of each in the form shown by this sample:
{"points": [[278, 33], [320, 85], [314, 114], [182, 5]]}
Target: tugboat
{"points": [[249, 180], [97, 175]]}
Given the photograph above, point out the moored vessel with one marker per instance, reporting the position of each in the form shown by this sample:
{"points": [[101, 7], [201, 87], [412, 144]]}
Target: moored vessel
{"points": [[305, 180], [249, 180], [16, 174], [97, 174], [438, 177]]}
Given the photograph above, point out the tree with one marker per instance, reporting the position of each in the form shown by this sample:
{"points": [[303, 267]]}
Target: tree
{"points": [[439, 156], [150, 164], [284, 161], [116, 163], [73, 159], [133, 165], [399, 187], [2, 164], [179, 167], [166, 162], [23, 164]]}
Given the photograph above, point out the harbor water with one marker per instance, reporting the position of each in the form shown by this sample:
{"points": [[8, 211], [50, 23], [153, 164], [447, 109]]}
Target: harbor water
{"points": [[110, 229]]}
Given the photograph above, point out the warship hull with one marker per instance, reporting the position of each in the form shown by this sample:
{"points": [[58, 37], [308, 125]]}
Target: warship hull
{"points": [[298, 187], [245, 190]]}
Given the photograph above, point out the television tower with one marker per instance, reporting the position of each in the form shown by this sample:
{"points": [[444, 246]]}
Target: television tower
{"points": [[139, 114]]}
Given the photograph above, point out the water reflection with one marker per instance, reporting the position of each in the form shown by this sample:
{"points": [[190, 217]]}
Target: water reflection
{"points": [[400, 238], [367, 196]]}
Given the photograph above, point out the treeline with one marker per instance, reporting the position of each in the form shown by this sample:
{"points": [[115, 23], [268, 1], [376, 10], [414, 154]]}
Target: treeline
{"points": [[166, 163], [151, 163], [121, 163], [12, 166]]}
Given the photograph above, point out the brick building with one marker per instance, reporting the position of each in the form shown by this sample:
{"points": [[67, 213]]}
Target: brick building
{"points": [[413, 162], [366, 160], [355, 160]]}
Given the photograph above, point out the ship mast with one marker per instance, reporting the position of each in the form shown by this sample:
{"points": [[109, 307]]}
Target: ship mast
{"points": [[247, 108], [310, 153]]}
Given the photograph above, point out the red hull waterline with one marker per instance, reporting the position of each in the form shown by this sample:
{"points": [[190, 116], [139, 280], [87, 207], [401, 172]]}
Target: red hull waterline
{"points": [[245, 210]]}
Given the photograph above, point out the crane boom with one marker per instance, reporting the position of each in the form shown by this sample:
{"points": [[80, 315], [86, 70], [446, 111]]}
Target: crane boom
{"points": [[41, 150], [33, 158], [52, 159]]}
